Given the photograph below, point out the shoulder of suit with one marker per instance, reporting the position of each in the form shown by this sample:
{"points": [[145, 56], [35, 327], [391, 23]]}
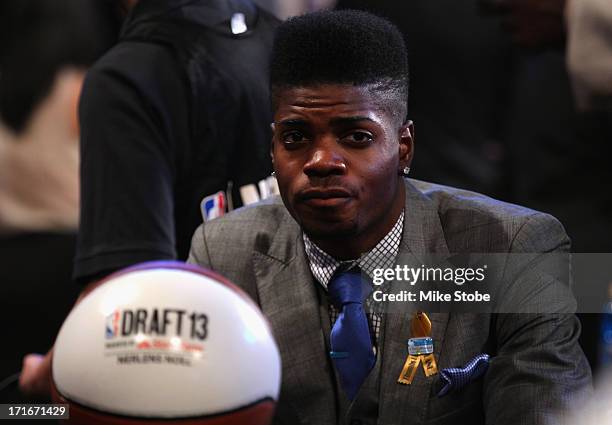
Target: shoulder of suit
{"points": [[449, 199], [148, 70], [257, 223], [462, 211]]}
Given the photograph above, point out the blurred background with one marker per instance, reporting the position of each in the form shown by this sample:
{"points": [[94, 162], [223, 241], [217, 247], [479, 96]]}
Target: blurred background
{"points": [[46, 48]]}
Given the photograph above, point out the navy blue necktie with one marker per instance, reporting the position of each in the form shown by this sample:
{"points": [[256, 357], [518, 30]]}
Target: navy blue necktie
{"points": [[351, 345]]}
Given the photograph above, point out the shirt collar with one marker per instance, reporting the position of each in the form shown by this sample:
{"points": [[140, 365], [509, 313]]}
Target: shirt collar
{"points": [[323, 266]]}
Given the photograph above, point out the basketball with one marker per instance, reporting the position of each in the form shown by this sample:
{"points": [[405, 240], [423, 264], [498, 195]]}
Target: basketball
{"points": [[166, 342]]}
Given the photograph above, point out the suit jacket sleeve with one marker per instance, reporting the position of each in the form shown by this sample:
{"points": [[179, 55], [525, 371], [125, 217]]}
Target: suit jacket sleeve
{"points": [[198, 254], [539, 368]]}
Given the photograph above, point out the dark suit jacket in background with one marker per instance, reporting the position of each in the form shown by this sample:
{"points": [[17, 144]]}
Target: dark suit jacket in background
{"points": [[536, 367]]}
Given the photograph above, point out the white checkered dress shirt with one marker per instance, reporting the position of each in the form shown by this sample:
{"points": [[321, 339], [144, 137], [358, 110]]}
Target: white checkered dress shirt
{"points": [[323, 266]]}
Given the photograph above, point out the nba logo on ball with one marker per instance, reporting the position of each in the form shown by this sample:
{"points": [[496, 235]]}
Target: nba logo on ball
{"points": [[180, 345], [112, 324]]}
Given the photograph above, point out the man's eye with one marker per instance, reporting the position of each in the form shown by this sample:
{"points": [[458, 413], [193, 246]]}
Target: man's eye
{"points": [[359, 138], [293, 137]]}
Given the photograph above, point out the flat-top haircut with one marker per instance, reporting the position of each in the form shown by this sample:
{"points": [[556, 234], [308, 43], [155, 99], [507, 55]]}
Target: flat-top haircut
{"points": [[342, 47]]}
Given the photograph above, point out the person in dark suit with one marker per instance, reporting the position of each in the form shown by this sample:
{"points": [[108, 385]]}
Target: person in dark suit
{"points": [[341, 149], [157, 118]]}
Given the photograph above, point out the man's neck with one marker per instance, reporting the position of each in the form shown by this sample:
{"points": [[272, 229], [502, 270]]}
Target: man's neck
{"points": [[343, 248], [352, 247]]}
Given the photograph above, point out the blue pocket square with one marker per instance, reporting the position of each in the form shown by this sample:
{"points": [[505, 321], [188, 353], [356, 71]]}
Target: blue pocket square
{"points": [[455, 378]]}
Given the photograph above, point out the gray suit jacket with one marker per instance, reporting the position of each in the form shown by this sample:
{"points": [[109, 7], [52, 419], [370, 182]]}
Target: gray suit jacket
{"points": [[536, 367]]}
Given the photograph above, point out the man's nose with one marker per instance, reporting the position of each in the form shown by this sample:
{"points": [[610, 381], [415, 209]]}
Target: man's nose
{"points": [[325, 159]]}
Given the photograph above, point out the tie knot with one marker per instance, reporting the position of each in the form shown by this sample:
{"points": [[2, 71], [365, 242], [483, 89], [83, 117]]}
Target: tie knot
{"points": [[348, 287]]}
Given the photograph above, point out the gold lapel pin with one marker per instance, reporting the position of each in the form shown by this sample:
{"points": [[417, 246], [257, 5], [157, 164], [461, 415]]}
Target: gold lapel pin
{"points": [[420, 349]]}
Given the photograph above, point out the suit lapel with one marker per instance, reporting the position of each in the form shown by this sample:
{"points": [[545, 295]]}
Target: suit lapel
{"points": [[422, 235], [288, 298]]}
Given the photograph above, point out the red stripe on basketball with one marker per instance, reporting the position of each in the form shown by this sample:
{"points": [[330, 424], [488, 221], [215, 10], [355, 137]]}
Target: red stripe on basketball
{"points": [[260, 413]]}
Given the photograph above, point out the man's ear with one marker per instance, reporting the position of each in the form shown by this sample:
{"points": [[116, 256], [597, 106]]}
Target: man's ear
{"points": [[64, 99], [273, 127], [75, 95], [406, 144]]}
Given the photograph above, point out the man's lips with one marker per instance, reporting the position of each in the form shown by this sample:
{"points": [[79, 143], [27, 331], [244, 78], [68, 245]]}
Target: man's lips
{"points": [[327, 197], [327, 193]]}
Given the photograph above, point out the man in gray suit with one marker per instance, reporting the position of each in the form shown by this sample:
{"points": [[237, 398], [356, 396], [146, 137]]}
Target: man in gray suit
{"points": [[341, 149]]}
